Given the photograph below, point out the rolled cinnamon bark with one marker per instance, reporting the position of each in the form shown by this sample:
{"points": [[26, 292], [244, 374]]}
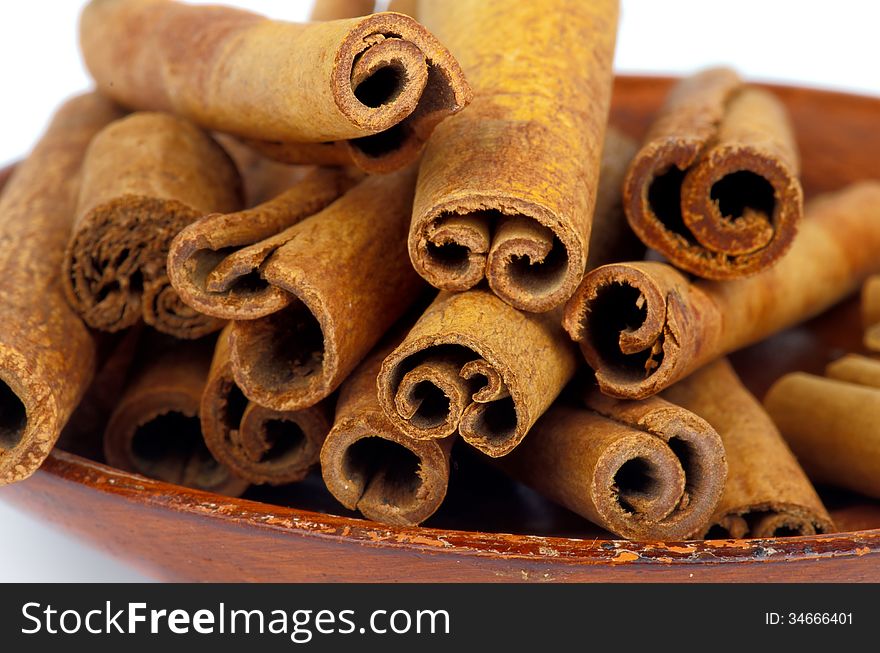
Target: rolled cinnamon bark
{"points": [[47, 356], [336, 9], [715, 186], [832, 427], [476, 366], [347, 269], [871, 312], [854, 368], [144, 178], [155, 431], [507, 189], [258, 444], [375, 85], [215, 264], [642, 326], [642, 470], [767, 493], [372, 466]]}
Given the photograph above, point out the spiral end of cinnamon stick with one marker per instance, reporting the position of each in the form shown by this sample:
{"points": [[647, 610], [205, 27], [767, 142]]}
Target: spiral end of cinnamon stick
{"points": [[159, 436], [166, 312], [633, 328], [664, 482], [285, 360], [370, 466], [767, 520], [431, 390], [724, 210], [395, 79], [529, 263]]}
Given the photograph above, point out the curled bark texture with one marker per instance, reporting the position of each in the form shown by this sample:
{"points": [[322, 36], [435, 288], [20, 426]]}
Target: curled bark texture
{"points": [[348, 273], [767, 493], [372, 466], [832, 426], [507, 189], [379, 84], [871, 312], [476, 366], [155, 429], [642, 326], [259, 444], [216, 263], [144, 178], [47, 356], [640, 469], [715, 186]]}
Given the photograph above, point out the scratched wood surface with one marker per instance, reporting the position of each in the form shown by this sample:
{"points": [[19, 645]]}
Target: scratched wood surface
{"points": [[490, 529]]}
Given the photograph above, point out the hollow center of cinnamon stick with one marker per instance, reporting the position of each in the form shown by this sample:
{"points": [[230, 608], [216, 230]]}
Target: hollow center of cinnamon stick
{"points": [[636, 482], [284, 441], [618, 308], [741, 192], [383, 86], [13, 418], [383, 471], [233, 407], [170, 447], [664, 197]]}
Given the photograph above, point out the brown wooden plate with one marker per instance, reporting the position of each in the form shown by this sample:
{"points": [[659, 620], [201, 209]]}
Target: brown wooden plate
{"points": [[490, 528]]}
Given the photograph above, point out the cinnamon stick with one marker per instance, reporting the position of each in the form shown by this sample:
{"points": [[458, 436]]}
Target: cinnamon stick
{"points": [[642, 326], [507, 189], [715, 186], [336, 9], [367, 90], [155, 431], [216, 263], [767, 493], [258, 444], [871, 312], [854, 368], [347, 272], [640, 469], [47, 356], [144, 178], [832, 427], [371, 466]]}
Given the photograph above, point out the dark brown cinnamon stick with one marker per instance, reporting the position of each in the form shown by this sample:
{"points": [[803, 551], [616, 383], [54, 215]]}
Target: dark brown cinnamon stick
{"points": [[348, 271], [216, 263], [372, 466], [374, 87], [767, 493], [715, 186], [258, 444], [640, 469], [155, 431], [144, 178], [47, 356], [643, 325], [507, 189]]}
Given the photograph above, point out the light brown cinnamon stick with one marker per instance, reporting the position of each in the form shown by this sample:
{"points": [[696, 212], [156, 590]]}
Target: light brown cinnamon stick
{"points": [[871, 312], [640, 469], [258, 444], [145, 177], [507, 189], [854, 368], [215, 263], [47, 356], [767, 493], [347, 269], [832, 427], [642, 326], [373, 87], [715, 186], [372, 466], [336, 9], [154, 430]]}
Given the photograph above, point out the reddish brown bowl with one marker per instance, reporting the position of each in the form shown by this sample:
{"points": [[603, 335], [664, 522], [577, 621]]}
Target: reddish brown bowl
{"points": [[491, 529]]}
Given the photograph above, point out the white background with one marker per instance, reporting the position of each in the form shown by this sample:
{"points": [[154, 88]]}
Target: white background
{"points": [[811, 42]]}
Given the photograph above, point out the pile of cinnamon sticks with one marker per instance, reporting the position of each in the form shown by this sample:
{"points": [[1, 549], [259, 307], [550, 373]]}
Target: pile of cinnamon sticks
{"points": [[361, 241]]}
